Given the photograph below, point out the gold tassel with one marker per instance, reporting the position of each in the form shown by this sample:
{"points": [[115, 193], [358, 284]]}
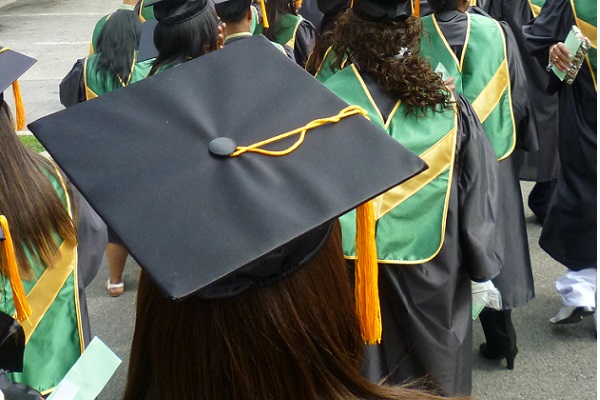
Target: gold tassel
{"points": [[22, 308], [351, 3], [366, 270], [263, 11], [19, 106], [417, 8]]}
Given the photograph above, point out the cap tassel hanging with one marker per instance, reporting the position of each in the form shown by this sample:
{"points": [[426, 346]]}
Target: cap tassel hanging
{"points": [[366, 270], [417, 8], [263, 12], [22, 308], [19, 106]]}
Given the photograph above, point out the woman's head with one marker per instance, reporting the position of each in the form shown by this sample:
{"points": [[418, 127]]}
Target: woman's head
{"points": [[275, 10], [184, 32], [389, 51], [117, 43], [265, 343]]}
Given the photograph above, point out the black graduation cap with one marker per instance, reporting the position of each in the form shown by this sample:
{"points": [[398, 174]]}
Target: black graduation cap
{"points": [[231, 10], [12, 65], [147, 159], [384, 10], [332, 6], [173, 12]]}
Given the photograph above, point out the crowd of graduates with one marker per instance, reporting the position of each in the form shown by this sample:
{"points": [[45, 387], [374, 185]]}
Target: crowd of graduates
{"points": [[317, 193]]}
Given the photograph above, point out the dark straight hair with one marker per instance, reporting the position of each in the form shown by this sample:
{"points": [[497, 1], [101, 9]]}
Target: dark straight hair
{"points": [[275, 10], [445, 5], [186, 40], [32, 207], [117, 43]]}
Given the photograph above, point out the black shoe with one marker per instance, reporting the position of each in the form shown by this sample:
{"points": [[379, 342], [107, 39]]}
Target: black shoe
{"points": [[492, 353], [571, 315]]}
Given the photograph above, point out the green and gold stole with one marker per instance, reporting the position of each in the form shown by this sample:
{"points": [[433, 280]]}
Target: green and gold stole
{"points": [[411, 217], [53, 333], [485, 84]]}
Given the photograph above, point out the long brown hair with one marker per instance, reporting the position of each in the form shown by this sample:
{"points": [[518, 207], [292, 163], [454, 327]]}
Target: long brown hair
{"points": [[296, 339], [29, 202], [373, 47]]}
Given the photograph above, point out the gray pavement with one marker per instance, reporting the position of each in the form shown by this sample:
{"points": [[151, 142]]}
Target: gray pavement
{"points": [[554, 362]]}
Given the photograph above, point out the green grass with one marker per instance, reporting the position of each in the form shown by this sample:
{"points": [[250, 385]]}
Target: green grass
{"points": [[31, 142]]}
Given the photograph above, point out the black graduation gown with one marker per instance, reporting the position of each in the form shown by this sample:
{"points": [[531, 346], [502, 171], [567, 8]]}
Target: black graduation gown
{"points": [[426, 308], [569, 232], [515, 281], [543, 164]]}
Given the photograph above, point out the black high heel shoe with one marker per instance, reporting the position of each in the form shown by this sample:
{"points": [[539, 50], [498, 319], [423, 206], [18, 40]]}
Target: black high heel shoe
{"points": [[492, 353]]}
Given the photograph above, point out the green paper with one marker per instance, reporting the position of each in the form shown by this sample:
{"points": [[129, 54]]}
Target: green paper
{"points": [[440, 69], [572, 43], [86, 379]]}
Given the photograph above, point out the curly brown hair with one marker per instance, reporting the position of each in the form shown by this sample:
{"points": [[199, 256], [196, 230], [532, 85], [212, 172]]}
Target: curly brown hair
{"points": [[372, 47]]}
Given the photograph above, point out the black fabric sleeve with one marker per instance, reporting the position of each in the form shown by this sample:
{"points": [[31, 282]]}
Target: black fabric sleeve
{"points": [[306, 35], [527, 133], [478, 195], [71, 88], [550, 27]]}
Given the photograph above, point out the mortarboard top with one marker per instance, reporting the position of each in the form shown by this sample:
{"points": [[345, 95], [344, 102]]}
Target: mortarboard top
{"points": [[142, 158], [12, 65], [173, 12], [385, 10], [232, 10]]}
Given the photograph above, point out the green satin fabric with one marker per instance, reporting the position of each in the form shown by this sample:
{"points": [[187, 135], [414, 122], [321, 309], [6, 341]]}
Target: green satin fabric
{"points": [[485, 37], [100, 83], [56, 343], [412, 231]]}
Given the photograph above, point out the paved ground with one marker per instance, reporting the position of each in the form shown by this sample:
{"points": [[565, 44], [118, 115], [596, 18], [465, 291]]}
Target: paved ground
{"points": [[554, 363]]}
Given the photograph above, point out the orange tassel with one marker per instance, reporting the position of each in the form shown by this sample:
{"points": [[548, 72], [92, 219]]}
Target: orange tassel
{"points": [[351, 3], [263, 10], [366, 282], [19, 106], [417, 8], [22, 308]]}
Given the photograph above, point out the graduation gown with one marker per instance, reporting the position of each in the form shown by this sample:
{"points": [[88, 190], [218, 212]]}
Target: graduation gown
{"points": [[299, 34], [543, 164], [569, 232], [426, 307], [58, 329], [515, 281]]}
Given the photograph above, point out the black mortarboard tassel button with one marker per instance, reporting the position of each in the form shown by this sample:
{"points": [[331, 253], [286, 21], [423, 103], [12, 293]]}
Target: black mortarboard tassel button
{"points": [[223, 147]]}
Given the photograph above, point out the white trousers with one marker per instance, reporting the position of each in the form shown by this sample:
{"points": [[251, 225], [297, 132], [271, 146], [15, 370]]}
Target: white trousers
{"points": [[578, 288]]}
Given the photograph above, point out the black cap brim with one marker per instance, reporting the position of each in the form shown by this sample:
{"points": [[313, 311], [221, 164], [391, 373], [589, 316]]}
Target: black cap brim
{"points": [[140, 156], [12, 66]]}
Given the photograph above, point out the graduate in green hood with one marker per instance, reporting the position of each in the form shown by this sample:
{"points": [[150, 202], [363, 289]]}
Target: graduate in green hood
{"points": [[483, 57], [436, 232], [58, 242]]}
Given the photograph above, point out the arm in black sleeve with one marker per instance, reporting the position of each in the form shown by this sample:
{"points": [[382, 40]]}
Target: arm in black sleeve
{"points": [[527, 133], [550, 27], [478, 195], [71, 88], [306, 35]]}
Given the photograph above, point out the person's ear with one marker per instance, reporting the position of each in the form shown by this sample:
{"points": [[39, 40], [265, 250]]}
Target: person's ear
{"points": [[249, 14]]}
